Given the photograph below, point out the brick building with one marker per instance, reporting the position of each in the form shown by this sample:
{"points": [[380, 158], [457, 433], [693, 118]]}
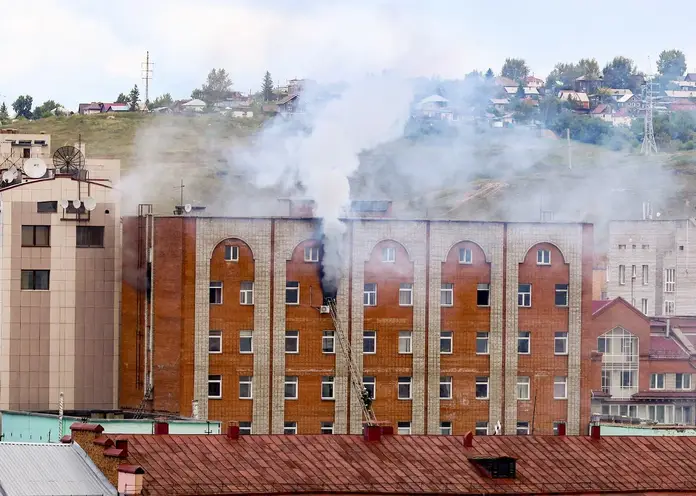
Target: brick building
{"points": [[455, 325]]}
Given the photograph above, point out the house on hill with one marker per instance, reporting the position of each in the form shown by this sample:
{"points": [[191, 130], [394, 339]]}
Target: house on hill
{"points": [[579, 99], [533, 82], [194, 105], [435, 107], [588, 84], [102, 108]]}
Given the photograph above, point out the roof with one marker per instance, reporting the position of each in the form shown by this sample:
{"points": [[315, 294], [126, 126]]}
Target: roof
{"points": [[680, 93], [287, 99], [505, 81], [619, 91], [49, 469], [533, 79], [194, 103], [589, 78], [499, 101], [612, 303], [577, 95], [625, 98], [433, 99], [665, 347], [264, 464], [602, 108], [659, 395], [597, 304]]}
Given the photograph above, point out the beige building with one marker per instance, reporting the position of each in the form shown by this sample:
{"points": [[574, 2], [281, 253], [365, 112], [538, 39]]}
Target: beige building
{"points": [[60, 259]]}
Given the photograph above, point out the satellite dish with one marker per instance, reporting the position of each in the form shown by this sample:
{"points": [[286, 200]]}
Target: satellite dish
{"points": [[35, 168], [658, 214], [188, 208], [90, 203], [68, 160], [76, 203], [9, 175], [65, 203]]}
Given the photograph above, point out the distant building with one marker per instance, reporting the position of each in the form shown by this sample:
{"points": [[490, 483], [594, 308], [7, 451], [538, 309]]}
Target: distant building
{"points": [[579, 99], [529, 91], [194, 105], [435, 107], [102, 108], [499, 104], [588, 84], [534, 82]]}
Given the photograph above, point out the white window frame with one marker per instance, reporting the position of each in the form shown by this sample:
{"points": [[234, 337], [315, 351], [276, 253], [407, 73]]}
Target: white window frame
{"points": [[687, 382], [523, 336], [446, 337], [246, 380], [231, 253], [524, 298], [405, 382], [644, 306], [482, 336], [524, 384], [328, 380], [217, 285], [214, 335], [246, 428], [657, 381], [246, 335], [370, 294], [481, 287], [246, 293], [311, 254], [446, 428], [290, 428], [405, 342], [327, 427], [389, 254], [403, 428], [370, 383], [481, 428], [522, 428], [212, 380], [294, 381], [406, 290], [482, 381], [543, 256], [370, 336], [560, 381], [669, 307], [290, 288], [670, 280], [291, 336], [560, 290], [466, 256], [328, 337], [446, 381], [645, 274], [560, 337], [622, 275], [447, 288]]}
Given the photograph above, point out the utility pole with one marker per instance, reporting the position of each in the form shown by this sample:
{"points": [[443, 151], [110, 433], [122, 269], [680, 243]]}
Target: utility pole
{"points": [[570, 156], [146, 70]]}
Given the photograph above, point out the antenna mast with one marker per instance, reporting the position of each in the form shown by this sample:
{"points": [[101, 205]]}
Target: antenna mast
{"points": [[146, 70], [648, 147]]}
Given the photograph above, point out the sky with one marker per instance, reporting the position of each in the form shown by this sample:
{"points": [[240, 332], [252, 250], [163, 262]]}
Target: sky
{"points": [[76, 51]]}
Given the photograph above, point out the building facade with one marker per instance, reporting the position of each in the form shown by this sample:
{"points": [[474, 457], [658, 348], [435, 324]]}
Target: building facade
{"points": [[60, 286], [453, 326]]}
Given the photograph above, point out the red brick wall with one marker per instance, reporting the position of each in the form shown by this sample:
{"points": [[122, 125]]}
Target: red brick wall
{"points": [[129, 394]]}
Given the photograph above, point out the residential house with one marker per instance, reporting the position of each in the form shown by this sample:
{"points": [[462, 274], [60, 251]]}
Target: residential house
{"points": [[499, 104], [102, 108], [676, 95], [534, 82], [684, 84], [602, 111], [288, 105], [691, 76], [579, 99], [682, 107], [588, 84], [628, 101], [435, 107], [621, 117], [505, 81], [529, 92], [194, 105], [89, 108]]}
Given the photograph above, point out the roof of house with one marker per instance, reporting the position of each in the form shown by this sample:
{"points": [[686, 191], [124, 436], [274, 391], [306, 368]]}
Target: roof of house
{"points": [[505, 81], [602, 108], [622, 112], [601, 306], [194, 103], [666, 347], [433, 99], [578, 95], [680, 93], [49, 469], [499, 101], [320, 464], [511, 90], [89, 106], [287, 99], [533, 79], [589, 78], [624, 98], [691, 76]]}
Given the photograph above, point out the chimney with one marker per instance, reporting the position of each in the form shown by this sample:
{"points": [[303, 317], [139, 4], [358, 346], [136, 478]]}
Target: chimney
{"points": [[130, 479], [562, 429], [469, 440], [121, 444], [372, 433], [302, 208], [161, 428], [595, 432], [233, 430]]}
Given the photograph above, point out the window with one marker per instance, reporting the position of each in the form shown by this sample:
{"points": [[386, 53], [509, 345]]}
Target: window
{"points": [[670, 276], [482, 388], [90, 236], [370, 295], [245, 428], [231, 253], [214, 387], [683, 381], [36, 235], [327, 388], [622, 247], [622, 274], [215, 292], [290, 428], [370, 384], [246, 293], [645, 275], [669, 307], [245, 387], [292, 293], [405, 294], [644, 305], [327, 427], [523, 428], [328, 340], [633, 272], [214, 341], [445, 428], [523, 387], [645, 247], [35, 280], [543, 257], [311, 254], [292, 341], [405, 342], [465, 256], [555, 426], [26, 152], [389, 254], [628, 378], [404, 388], [447, 294], [483, 295], [482, 343], [561, 295], [445, 388], [47, 207], [657, 413], [524, 339], [369, 342], [683, 415], [290, 387], [560, 343], [445, 342], [404, 428], [657, 381], [246, 342], [560, 388], [481, 428], [524, 295]]}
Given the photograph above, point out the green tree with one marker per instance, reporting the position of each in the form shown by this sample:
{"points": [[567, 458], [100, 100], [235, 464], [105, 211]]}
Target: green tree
{"points": [[122, 98], [619, 73], [4, 115], [133, 98], [515, 69], [267, 88], [489, 74], [588, 68], [165, 100], [217, 87], [22, 106], [567, 73], [671, 63], [45, 109]]}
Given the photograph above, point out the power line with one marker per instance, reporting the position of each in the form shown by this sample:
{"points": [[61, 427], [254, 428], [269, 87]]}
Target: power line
{"points": [[648, 147], [146, 74]]}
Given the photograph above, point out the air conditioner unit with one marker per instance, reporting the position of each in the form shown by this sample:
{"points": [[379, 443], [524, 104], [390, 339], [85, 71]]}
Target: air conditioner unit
{"points": [[324, 309]]}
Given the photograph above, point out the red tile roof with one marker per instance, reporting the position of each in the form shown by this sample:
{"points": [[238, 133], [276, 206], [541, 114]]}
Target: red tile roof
{"points": [[600, 306], [262, 464], [658, 395], [664, 347], [597, 304]]}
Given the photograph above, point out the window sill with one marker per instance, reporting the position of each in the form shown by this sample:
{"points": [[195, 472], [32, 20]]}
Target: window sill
{"points": [[231, 260], [561, 354], [241, 304], [369, 353], [37, 246], [292, 304], [560, 399], [405, 399], [446, 306], [292, 352], [445, 399], [216, 303], [311, 261], [291, 399], [328, 399], [483, 399], [246, 352], [484, 306], [27, 289], [446, 353], [245, 398], [85, 246], [214, 397], [214, 352], [405, 305], [483, 354], [465, 263], [562, 306]]}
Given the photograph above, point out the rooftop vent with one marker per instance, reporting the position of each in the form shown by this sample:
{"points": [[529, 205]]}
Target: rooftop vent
{"points": [[502, 467], [300, 207], [371, 208]]}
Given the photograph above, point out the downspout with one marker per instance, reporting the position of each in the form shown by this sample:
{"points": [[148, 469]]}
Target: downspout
{"points": [[151, 343]]}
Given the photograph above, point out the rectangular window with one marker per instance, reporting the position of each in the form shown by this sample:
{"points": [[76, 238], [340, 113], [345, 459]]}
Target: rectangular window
{"points": [[683, 415], [524, 342], [445, 428], [465, 256], [482, 343], [683, 381], [543, 257], [214, 341], [446, 388], [404, 428], [627, 379], [524, 295], [246, 342], [246, 293], [482, 388], [311, 254], [328, 341], [523, 428], [405, 294], [645, 247], [290, 428], [90, 237], [445, 342], [327, 388], [214, 387], [292, 341], [523, 387], [657, 381], [405, 342], [622, 247], [36, 235], [645, 275], [291, 387], [232, 253], [561, 299], [657, 413], [47, 207], [245, 387], [370, 295], [35, 280], [560, 388], [389, 254], [369, 342], [481, 428], [634, 274], [447, 294], [245, 428], [292, 293], [560, 343], [670, 280], [327, 427], [370, 384], [404, 388], [622, 274], [644, 306], [483, 295], [669, 307]]}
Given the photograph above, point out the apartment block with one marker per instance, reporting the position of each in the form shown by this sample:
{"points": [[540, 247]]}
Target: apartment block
{"points": [[60, 286], [650, 265], [453, 326]]}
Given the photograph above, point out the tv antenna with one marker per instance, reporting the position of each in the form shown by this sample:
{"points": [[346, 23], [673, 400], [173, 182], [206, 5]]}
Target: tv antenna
{"points": [[648, 147], [181, 192], [146, 70]]}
